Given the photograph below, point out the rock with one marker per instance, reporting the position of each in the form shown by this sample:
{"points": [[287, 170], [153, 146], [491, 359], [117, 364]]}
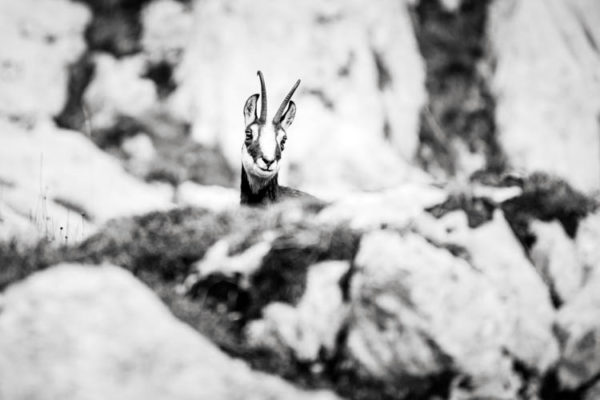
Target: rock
{"points": [[119, 89], [413, 316], [95, 332], [586, 241], [140, 152], [396, 207], [139, 148], [65, 185], [313, 325], [212, 197], [362, 76], [240, 266], [168, 25], [592, 393], [451, 5], [548, 97], [578, 329], [495, 252], [36, 51], [496, 194], [555, 257]]}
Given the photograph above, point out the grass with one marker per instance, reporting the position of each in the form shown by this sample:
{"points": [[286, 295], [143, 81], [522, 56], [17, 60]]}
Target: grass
{"points": [[17, 261]]}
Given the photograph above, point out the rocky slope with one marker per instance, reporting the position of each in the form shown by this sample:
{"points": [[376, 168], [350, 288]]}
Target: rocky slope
{"points": [[433, 271], [425, 305]]}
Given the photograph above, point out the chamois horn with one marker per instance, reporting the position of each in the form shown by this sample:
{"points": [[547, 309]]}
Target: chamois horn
{"points": [[277, 117], [263, 99]]}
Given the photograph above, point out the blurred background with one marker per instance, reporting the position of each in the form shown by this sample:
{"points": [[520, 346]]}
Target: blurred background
{"points": [[112, 109], [397, 91]]}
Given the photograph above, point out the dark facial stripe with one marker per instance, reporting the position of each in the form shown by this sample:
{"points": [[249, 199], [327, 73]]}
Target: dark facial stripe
{"points": [[254, 149]]}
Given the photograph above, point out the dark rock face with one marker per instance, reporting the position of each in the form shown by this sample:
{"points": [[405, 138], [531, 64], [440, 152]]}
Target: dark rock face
{"points": [[460, 112]]}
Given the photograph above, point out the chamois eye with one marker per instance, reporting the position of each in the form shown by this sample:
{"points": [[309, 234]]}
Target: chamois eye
{"points": [[248, 134]]}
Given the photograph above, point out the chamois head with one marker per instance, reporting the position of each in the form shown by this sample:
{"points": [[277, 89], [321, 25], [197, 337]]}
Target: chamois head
{"points": [[265, 140]]}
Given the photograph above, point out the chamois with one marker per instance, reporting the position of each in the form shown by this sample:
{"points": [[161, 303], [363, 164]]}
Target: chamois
{"points": [[262, 148]]}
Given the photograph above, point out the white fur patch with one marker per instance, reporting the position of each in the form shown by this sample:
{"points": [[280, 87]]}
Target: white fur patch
{"points": [[268, 142]]}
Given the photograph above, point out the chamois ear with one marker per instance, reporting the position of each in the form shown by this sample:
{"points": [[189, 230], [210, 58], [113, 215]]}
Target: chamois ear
{"points": [[250, 110], [288, 117]]}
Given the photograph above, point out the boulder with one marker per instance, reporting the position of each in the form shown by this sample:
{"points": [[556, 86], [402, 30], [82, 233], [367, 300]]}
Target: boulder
{"points": [[140, 153], [592, 393], [83, 332], [362, 81], [494, 251], [240, 266], [413, 316], [578, 329], [586, 241], [313, 325], [554, 256], [397, 207], [119, 89], [212, 197], [548, 96], [65, 185], [168, 25], [37, 48]]}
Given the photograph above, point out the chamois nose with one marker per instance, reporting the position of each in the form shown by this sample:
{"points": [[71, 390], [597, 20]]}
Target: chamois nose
{"points": [[267, 161]]}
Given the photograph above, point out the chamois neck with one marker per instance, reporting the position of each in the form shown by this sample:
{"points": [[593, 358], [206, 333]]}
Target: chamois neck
{"points": [[263, 194]]}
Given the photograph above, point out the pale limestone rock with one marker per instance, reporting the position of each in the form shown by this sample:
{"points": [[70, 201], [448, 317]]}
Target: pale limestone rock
{"points": [[53, 169], [555, 257], [83, 332], [312, 325], [139, 148], [547, 86], [587, 240], [396, 207], [39, 39], [140, 153], [168, 25], [451, 5], [592, 393], [118, 89], [495, 252], [417, 311], [578, 328], [217, 260], [212, 197], [496, 194], [337, 140]]}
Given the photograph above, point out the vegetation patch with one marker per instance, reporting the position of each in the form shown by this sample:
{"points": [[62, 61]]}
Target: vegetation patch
{"points": [[17, 261], [161, 243], [478, 210], [547, 198]]}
